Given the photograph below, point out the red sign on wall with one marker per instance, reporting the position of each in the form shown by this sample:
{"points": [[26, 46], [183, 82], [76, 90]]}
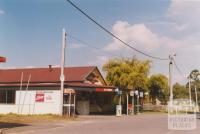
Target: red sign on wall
{"points": [[103, 90], [39, 97], [2, 59]]}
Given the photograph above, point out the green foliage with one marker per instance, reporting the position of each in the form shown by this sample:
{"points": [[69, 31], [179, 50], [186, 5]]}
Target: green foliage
{"points": [[180, 91], [127, 73], [194, 75], [158, 88]]}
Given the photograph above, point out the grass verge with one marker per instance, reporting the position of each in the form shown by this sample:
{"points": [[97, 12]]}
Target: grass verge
{"points": [[15, 118]]}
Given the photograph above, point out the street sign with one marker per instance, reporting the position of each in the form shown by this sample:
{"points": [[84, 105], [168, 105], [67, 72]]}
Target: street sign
{"points": [[117, 89], [119, 92], [62, 77], [131, 93], [136, 92], [146, 93], [141, 94], [2, 59]]}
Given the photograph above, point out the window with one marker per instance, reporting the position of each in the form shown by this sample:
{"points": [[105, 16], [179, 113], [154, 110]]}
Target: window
{"points": [[7, 96]]}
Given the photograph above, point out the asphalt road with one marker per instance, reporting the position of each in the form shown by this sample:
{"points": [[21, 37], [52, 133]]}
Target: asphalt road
{"points": [[140, 124]]}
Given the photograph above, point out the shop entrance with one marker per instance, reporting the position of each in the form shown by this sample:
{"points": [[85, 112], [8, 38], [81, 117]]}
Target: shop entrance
{"points": [[98, 103], [69, 101]]}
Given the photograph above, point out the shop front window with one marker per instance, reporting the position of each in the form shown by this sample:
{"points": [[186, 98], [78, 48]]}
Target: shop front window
{"points": [[7, 96]]}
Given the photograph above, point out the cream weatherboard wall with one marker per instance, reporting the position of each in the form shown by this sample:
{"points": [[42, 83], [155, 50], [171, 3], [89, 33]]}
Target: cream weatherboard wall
{"points": [[34, 102]]}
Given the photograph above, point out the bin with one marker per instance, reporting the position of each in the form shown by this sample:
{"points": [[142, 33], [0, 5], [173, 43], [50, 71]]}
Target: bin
{"points": [[119, 110]]}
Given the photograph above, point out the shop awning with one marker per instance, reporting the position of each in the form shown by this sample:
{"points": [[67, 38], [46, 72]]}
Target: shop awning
{"points": [[73, 85]]}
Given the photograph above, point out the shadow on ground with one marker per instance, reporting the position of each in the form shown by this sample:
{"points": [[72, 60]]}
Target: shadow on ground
{"points": [[11, 125]]}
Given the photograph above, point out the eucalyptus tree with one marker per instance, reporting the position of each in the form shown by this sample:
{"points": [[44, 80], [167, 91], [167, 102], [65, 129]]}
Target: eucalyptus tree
{"points": [[194, 75], [158, 88], [127, 73], [180, 91]]}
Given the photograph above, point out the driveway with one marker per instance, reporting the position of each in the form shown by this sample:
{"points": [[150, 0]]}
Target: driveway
{"points": [[140, 124]]}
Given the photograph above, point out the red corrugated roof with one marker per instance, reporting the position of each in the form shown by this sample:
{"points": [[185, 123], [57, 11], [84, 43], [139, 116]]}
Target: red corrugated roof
{"points": [[69, 84], [72, 74]]}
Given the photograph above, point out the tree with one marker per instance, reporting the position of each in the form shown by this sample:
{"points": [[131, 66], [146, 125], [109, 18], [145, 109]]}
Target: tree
{"points": [[158, 88], [127, 73], [180, 91], [194, 75]]}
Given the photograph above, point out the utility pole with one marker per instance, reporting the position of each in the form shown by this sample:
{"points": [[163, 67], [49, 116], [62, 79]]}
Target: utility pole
{"points": [[62, 76], [170, 80], [190, 91], [197, 105]]}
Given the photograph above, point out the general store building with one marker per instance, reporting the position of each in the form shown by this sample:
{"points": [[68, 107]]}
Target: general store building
{"points": [[37, 91]]}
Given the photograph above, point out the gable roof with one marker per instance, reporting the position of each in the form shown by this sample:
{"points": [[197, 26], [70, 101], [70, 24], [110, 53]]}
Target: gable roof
{"points": [[44, 75]]}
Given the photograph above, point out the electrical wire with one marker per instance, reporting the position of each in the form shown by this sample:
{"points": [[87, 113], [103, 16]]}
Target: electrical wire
{"points": [[111, 34], [88, 45], [82, 42], [177, 68], [184, 78]]}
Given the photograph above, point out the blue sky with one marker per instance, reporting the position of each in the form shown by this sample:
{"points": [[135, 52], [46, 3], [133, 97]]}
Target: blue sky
{"points": [[30, 32]]}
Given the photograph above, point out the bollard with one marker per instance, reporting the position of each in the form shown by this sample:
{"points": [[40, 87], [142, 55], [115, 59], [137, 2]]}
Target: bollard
{"points": [[119, 110]]}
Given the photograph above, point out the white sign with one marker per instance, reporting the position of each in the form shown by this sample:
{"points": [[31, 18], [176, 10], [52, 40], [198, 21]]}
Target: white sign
{"points": [[180, 119], [48, 97], [62, 77], [182, 122], [141, 94], [131, 93], [136, 92], [44, 96], [116, 90]]}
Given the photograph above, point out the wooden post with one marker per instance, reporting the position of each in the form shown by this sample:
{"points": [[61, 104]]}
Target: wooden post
{"points": [[74, 103], [190, 92], [127, 103], [196, 98], [70, 104], [20, 90]]}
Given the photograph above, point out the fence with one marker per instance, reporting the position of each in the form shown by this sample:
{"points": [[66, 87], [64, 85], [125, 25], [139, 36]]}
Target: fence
{"points": [[151, 107]]}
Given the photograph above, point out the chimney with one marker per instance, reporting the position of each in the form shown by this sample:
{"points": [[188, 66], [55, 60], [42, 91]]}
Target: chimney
{"points": [[50, 68]]}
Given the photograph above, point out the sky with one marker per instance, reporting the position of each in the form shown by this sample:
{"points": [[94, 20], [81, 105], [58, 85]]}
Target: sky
{"points": [[31, 32]]}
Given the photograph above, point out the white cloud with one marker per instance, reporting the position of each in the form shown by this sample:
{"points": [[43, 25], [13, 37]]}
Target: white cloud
{"points": [[100, 60], [182, 18], [76, 46], [138, 35], [1, 12], [185, 13], [141, 37]]}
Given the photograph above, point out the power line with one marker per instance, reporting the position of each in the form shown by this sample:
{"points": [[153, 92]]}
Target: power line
{"points": [[88, 45], [177, 68], [110, 33], [82, 42]]}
